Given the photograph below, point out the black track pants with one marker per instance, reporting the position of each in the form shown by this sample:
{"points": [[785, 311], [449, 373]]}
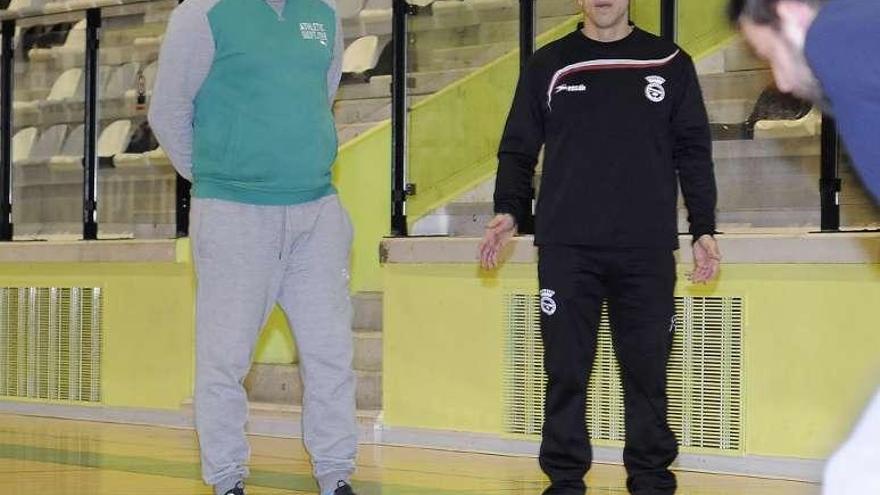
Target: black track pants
{"points": [[639, 286]]}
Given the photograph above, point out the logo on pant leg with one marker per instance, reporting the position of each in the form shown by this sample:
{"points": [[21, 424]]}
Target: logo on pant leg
{"points": [[673, 323], [548, 305]]}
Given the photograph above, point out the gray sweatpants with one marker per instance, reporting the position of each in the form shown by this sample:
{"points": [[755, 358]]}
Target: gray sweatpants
{"points": [[248, 258]]}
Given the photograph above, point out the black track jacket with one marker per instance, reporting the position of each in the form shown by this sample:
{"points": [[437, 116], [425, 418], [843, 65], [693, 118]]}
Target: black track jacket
{"points": [[623, 123]]}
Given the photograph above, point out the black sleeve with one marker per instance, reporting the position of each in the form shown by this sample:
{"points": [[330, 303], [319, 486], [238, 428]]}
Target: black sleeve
{"points": [[692, 153], [519, 150]]}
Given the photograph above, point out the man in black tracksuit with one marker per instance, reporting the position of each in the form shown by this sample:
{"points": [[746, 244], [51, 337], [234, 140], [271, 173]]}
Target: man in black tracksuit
{"points": [[622, 119]]}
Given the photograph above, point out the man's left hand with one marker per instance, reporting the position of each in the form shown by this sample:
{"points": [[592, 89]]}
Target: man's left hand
{"points": [[707, 260]]}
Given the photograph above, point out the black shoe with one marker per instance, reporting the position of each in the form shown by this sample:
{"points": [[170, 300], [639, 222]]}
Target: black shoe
{"points": [[238, 490], [343, 488], [572, 488]]}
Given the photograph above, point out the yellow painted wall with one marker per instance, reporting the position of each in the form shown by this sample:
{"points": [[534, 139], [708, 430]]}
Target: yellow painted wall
{"points": [[702, 24], [362, 175], [455, 133], [646, 14], [811, 349], [148, 325]]}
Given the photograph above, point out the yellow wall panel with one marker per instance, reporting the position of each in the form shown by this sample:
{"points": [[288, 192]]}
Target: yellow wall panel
{"points": [[810, 342], [147, 329]]}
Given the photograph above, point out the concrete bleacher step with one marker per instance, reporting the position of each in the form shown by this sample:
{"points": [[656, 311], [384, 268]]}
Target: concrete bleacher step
{"points": [[127, 37], [421, 83], [285, 421], [754, 176], [766, 148], [368, 312], [72, 114], [347, 112], [740, 57], [456, 220], [745, 85], [733, 111], [366, 110], [118, 55], [486, 33], [452, 15], [461, 57], [281, 383], [347, 132]]}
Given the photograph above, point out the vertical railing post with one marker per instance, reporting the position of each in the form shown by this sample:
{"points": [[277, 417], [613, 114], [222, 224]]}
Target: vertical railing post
{"points": [[527, 20], [526, 32], [6, 87], [90, 153], [183, 200], [829, 182], [399, 119], [668, 24]]}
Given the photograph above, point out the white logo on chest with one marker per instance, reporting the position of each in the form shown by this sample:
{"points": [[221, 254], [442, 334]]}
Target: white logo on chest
{"points": [[574, 88], [655, 90], [314, 31]]}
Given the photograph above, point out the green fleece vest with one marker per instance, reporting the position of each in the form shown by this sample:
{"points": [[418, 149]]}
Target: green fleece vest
{"points": [[263, 125]]}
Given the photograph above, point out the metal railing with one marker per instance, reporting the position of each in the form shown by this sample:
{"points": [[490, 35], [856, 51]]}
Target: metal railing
{"points": [[90, 195], [829, 186]]}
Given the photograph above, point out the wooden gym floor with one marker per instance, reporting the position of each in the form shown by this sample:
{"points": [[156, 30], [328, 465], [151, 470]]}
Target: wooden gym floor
{"points": [[56, 457]]}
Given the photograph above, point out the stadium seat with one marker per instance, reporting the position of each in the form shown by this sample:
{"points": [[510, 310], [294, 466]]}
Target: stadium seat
{"points": [[122, 81], [150, 76], [113, 141], [362, 56], [349, 9], [376, 11], [48, 145], [142, 142], [68, 86], [23, 143], [104, 74], [115, 138], [71, 153], [158, 158], [67, 54], [807, 126]]}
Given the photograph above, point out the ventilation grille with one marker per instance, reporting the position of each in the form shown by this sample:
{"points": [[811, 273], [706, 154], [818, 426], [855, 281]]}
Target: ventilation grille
{"points": [[50, 343], [704, 374]]}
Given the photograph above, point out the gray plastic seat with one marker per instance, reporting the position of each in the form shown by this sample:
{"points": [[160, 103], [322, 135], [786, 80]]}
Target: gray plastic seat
{"points": [[50, 143], [23, 143], [75, 142], [122, 80]]}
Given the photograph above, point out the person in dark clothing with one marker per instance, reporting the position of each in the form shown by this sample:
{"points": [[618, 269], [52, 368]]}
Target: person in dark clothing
{"points": [[828, 52], [621, 116]]}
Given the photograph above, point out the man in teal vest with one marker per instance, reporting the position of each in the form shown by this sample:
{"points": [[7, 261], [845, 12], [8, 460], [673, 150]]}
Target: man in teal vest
{"points": [[243, 107]]}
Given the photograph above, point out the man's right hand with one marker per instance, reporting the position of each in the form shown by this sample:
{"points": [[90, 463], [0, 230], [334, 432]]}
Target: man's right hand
{"points": [[500, 230]]}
